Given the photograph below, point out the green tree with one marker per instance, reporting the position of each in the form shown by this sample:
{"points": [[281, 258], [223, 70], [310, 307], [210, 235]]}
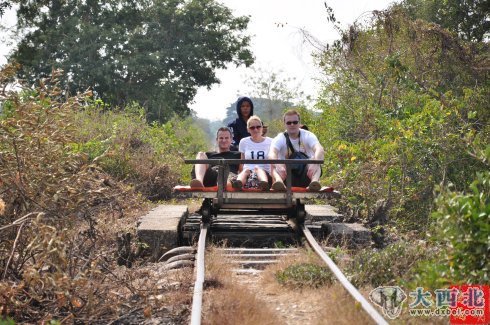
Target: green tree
{"points": [[271, 93], [463, 229], [276, 90], [155, 52], [3, 6], [470, 18], [405, 108]]}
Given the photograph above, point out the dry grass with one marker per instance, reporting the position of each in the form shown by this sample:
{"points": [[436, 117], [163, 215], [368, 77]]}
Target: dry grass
{"points": [[262, 300], [228, 302], [329, 304]]}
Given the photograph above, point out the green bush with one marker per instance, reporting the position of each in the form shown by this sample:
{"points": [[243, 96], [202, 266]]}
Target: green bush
{"points": [[304, 275], [402, 110], [148, 156], [386, 266], [463, 228], [7, 321]]}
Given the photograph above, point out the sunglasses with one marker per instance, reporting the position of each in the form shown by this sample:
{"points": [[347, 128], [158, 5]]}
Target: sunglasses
{"points": [[255, 127], [292, 122]]}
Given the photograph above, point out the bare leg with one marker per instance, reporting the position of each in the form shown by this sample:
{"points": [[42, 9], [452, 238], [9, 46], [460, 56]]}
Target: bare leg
{"points": [[200, 170], [241, 179], [261, 174], [314, 173], [278, 176], [263, 179], [243, 176]]}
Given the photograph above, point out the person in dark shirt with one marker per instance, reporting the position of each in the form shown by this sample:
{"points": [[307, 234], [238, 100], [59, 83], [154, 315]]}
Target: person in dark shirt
{"points": [[244, 109], [207, 175]]}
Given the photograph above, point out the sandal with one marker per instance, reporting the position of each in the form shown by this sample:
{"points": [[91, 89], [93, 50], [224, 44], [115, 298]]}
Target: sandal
{"points": [[237, 184], [264, 185], [196, 183], [278, 186], [314, 186]]}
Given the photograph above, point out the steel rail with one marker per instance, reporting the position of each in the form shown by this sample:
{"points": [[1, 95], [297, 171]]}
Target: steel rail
{"points": [[199, 284], [343, 280]]}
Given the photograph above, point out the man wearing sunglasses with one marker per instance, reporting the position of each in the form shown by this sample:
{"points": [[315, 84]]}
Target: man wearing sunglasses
{"points": [[303, 141]]}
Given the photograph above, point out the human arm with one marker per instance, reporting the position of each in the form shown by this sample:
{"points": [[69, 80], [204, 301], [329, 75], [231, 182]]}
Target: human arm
{"points": [[240, 167], [319, 152], [273, 154]]}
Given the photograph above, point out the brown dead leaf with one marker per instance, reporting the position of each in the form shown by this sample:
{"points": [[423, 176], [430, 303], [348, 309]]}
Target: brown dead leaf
{"points": [[147, 312], [2, 207], [61, 300], [76, 302]]}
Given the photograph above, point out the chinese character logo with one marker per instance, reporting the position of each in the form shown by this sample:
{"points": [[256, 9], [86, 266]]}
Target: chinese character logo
{"points": [[472, 305], [390, 299]]}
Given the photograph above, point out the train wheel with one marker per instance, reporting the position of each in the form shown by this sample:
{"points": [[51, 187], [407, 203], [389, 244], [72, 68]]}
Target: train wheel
{"points": [[297, 212], [206, 210], [300, 212]]}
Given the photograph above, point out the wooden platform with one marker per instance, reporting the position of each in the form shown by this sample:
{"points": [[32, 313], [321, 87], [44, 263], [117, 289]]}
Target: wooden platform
{"points": [[242, 230], [323, 212], [252, 194]]}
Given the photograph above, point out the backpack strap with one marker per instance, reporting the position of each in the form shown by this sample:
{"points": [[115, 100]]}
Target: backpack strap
{"points": [[290, 145]]}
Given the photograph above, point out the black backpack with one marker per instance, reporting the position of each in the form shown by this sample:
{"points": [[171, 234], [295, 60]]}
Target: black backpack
{"points": [[298, 170]]}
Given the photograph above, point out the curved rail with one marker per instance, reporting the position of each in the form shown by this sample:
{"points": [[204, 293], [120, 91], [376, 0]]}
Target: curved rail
{"points": [[199, 284], [343, 280]]}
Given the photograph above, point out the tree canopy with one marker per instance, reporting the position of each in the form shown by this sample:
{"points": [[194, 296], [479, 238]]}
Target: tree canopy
{"points": [[3, 6], [154, 52], [470, 18], [405, 108]]}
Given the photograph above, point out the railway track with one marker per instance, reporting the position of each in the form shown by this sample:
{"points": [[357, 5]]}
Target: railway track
{"points": [[226, 214], [253, 260]]}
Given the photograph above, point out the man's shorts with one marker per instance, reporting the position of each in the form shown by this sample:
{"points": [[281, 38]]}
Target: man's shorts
{"points": [[302, 180], [211, 176]]}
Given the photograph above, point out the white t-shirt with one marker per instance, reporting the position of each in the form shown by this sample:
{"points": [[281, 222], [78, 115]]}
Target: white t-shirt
{"points": [[254, 150], [304, 143]]}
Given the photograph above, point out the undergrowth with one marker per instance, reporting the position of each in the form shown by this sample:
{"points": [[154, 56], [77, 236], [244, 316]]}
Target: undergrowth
{"points": [[303, 275], [73, 179]]}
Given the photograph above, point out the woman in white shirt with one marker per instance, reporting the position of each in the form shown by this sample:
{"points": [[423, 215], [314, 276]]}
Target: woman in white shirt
{"points": [[256, 146]]}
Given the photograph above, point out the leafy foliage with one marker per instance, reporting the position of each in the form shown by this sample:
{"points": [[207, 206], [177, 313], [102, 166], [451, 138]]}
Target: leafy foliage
{"points": [[304, 275], [36, 123], [406, 109], [147, 156], [386, 266], [156, 53], [463, 229], [467, 18], [69, 168], [52, 201], [3, 6]]}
